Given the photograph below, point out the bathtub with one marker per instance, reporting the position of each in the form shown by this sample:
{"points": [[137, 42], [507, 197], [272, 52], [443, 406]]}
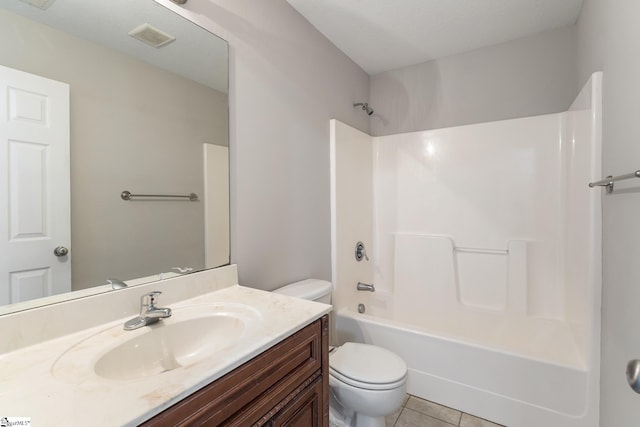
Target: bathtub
{"points": [[485, 250], [493, 379]]}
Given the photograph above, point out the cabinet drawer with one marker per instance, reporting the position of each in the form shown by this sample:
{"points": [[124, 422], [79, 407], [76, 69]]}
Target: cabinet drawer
{"points": [[304, 411], [244, 395]]}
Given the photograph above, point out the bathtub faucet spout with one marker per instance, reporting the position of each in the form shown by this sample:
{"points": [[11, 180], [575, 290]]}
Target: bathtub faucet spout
{"points": [[366, 287]]}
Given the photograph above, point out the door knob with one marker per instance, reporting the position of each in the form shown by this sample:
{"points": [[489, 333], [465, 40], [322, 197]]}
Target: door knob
{"points": [[61, 251], [633, 375]]}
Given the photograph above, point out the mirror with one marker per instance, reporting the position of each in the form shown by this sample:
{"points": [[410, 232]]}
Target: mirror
{"points": [[151, 120]]}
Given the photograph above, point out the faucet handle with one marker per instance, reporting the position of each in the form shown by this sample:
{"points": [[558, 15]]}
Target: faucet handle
{"points": [[361, 252], [149, 300]]}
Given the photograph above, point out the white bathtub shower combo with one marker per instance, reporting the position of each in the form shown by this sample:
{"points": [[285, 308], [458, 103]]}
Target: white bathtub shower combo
{"points": [[484, 247]]}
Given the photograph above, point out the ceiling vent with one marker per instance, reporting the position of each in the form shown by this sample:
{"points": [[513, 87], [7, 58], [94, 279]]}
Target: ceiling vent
{"points": [[151, 35], [40, 4]]}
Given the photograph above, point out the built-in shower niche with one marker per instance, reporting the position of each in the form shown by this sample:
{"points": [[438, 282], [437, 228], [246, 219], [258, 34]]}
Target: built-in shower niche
{"points": [[446, 276]]}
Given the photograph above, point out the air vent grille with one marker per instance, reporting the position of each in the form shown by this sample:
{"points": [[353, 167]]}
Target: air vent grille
{"points": [[150, 35]]}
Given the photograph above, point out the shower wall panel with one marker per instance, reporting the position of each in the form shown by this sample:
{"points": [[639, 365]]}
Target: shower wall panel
{"points": [[482, 186]]}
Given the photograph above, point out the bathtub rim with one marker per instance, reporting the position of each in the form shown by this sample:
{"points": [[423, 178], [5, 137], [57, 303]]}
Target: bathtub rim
{"points": [[409, 328]]}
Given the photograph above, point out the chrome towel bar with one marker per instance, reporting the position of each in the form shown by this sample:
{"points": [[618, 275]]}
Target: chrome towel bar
{"points": [[608, 181], [126, 195]]}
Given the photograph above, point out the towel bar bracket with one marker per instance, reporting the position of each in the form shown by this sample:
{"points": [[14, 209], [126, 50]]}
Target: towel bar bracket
{"points": [[609, 180]]}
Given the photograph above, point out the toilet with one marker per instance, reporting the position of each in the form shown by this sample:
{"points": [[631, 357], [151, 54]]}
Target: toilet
{"points": [[367, 382]]}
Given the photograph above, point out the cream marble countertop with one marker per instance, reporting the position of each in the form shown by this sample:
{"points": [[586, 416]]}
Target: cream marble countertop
{"points": [[70, 395]]}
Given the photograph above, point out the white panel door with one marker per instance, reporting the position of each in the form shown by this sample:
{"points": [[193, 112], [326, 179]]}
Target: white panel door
{"points": [[34, 186]]}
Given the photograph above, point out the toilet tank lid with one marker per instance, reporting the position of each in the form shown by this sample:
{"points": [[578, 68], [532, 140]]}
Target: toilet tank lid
{"points": [[309, 289]]}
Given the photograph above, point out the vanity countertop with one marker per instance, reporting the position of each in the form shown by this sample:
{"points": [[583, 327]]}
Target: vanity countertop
{"points": [[34, 384]]}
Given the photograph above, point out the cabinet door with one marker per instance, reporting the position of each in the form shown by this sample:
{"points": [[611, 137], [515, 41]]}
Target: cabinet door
{"points": [[251, 394], [303, 411]]}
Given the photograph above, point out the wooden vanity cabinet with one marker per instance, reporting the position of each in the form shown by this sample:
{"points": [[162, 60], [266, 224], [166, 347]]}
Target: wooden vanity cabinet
{"points": [[287, 385]]}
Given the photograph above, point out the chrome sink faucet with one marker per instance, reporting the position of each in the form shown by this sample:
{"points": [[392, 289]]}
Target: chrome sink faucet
{"points": [[149, 313]]}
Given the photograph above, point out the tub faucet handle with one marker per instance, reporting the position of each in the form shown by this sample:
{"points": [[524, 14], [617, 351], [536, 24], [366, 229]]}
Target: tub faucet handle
{"points": [[361, 252]]}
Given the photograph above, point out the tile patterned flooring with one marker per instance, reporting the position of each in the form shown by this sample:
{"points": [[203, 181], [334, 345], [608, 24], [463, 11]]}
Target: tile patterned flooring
{"points": [[416, 412]]}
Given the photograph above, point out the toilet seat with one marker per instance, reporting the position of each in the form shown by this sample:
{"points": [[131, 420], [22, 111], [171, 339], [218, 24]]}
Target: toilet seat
{"points": [[367, 367], [366, 386]]}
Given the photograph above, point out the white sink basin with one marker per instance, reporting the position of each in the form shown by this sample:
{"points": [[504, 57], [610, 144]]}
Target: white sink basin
{"points": [[170, 346], [190, 336]]}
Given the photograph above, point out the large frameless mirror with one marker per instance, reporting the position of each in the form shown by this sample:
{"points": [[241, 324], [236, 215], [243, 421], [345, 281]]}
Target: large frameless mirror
{"points": [[99, 99]]}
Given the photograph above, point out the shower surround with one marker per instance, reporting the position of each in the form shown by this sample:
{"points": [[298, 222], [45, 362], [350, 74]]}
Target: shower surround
{"points": [[484, 246]]}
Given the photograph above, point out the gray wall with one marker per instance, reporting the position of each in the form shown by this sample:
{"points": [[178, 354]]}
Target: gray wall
{"points": [[526, 77], [286, 82], [609, 40], [126, 134]]}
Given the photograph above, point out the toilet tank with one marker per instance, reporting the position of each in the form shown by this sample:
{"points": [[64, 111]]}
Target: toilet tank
{"points": [[309, 289]]}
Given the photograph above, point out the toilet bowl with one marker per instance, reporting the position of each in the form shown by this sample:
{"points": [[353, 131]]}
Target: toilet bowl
{"points": [[367, 382]]}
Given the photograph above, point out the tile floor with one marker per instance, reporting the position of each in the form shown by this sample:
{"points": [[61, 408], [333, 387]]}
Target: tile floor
{"points": [[416, 412]]}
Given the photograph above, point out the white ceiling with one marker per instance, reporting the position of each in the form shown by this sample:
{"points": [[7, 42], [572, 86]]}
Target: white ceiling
{"points": [[381, 35]]}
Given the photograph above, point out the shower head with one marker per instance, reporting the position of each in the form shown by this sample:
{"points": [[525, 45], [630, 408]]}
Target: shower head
{"points": [[364, 106]]}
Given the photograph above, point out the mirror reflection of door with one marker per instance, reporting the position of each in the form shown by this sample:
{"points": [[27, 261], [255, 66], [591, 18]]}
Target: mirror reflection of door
{"points": [[34, 187]]}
